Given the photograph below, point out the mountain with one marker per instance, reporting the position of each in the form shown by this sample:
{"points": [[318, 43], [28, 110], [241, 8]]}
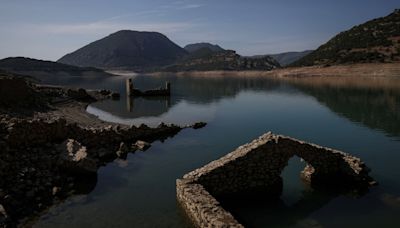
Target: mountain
{"points": [[195, 47], [127, 49], [287, 58], [47, 71], [22, 64], [377, 40], [199, 53], [206, 60]]}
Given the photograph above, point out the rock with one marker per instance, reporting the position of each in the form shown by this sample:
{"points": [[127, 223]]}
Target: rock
{"points": [[143, 127], [142, 145], [30, 194], [373, 183], [199, 125], [3, 213], [18, 93], [74, 158], [55, 190], [103, 153], [115, 95], [105, 92], [123, 150], [79, 94]]}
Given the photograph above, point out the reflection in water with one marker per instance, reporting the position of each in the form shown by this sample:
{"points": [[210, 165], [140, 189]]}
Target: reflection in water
{"points": [[297, 202], [141, 191], [205, 90], [146, 106], [193, 96], [370, 101], [275, 212], [375, 104]]}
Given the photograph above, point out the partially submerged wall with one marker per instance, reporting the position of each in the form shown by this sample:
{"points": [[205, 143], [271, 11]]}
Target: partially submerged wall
{"points": [[256, 167]]}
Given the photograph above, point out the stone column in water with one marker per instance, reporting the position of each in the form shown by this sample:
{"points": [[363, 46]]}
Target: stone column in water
{"points": [[128, 83]]}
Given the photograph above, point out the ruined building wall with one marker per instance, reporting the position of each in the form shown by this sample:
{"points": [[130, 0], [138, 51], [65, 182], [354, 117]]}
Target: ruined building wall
{"points": [[256, 167]]}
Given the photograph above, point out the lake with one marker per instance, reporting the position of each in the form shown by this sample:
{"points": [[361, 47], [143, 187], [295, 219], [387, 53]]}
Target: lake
{"points": [[360, 116]]}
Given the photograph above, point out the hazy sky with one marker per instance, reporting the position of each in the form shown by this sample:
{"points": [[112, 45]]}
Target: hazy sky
{"points": [[48, 29]]}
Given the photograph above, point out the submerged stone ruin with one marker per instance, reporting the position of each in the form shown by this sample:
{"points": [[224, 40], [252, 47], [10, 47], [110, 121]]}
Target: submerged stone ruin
{"points": [[256, 168], [132, 91]]}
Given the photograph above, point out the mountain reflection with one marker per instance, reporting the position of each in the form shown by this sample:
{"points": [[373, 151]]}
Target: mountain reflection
{"points": [[194, 90], [373, 102]]}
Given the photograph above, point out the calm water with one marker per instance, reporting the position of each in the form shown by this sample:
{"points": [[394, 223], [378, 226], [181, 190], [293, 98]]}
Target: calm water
{"points": [[362, 118]]}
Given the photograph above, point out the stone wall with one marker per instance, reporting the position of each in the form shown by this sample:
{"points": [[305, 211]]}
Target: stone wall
{"points": [[43, 162], [201, 207], [256, 168]]}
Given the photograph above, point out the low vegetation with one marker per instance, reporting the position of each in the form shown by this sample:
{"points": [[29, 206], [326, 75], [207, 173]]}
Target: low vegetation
{"points": [[375, 41]]}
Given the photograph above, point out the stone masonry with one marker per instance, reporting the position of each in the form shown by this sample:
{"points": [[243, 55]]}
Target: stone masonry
{"points": [[256, 168]]}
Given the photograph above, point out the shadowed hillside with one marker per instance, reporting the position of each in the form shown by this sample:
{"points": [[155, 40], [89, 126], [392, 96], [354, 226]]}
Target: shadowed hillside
{"points": [[205, 59], [194, 47], [287, 58], [47, 71], [377, 40], [127, 50]]}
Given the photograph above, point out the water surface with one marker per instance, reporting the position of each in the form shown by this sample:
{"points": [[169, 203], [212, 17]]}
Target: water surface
{"points": [[360, 116]]}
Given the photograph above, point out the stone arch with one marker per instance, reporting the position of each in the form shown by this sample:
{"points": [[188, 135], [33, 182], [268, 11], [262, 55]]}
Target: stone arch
{"points": [[256, 167], [326, 166]]}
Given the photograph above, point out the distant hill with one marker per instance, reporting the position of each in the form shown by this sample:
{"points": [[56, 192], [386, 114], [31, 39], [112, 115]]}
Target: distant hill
{"points": [[195, 47], [287, 58], [21, 64], [46, 71], [377, 40], [205, 59], [199, 53], [127, 49]]}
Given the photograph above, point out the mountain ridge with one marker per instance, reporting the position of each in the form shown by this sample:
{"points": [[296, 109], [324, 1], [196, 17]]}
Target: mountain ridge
{"points": [[126, 49], [227, 60], [377, 40], [197, 46], [47, 71]]}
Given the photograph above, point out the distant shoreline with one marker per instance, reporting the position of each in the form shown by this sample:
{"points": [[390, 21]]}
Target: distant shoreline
{"points": [[360, 70]]}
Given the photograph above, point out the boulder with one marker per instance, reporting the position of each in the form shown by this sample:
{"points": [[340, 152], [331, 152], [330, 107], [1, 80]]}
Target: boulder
{"points": [[79, 94], [3, 214], [74, 158], [55, 190], [105, 92], [123, 150], [162, 125], [142, 145], [18, 93]]}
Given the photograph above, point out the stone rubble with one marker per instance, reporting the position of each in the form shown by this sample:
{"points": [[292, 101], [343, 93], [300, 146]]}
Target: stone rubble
{"points": [[74, 158], [45, 158], [142, 145]]}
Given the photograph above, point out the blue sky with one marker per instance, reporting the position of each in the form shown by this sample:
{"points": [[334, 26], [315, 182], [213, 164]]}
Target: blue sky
{"points": [[48, 29]]}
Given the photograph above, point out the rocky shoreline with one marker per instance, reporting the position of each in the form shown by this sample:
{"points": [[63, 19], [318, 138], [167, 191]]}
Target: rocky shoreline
{"points": [[52, 148]]}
